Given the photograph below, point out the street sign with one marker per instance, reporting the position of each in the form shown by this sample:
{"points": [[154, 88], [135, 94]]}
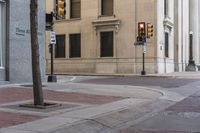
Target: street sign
{"points": [[140, 43], [52, 37], [145, 48]]}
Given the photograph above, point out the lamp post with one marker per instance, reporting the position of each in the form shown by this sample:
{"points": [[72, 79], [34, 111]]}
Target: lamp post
{"points": [[191, 66], [191, 61]]}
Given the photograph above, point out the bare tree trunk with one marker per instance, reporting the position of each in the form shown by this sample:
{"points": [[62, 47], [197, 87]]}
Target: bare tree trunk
{"points": [[36, 74]]}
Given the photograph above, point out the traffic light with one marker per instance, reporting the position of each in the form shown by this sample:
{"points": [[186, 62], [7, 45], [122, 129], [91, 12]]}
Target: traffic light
{"points": [[141, 31], [49, 21], [149, 30], [60, 9]]}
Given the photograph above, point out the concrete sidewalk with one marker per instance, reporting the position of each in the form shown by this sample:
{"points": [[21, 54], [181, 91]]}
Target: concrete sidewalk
{"points": [[166, 75], [90, 108], [79, 105]]}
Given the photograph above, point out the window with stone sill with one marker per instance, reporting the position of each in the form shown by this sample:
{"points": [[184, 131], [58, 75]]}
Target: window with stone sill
{"points": [[106, 44], [75, 9], [107, 8], [60, 46], [75, 45], [166, 44]]}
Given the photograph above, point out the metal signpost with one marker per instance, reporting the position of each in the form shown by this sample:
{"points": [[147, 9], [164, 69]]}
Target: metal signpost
{"points": [[144, 45], [59, 14], [52, 77], [143, 59]]}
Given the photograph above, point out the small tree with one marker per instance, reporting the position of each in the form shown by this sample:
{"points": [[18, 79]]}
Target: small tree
{"points": [[36, 74]]}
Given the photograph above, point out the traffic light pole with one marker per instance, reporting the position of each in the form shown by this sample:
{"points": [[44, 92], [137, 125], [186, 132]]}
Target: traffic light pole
{"points": [[144, 32], [51, 45], [52, 77], [143, 60]]}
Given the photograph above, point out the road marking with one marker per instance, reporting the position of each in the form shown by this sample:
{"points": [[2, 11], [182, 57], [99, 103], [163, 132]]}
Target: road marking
{"points": [[73, 79]]}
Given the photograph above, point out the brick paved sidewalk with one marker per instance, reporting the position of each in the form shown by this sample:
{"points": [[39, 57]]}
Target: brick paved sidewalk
{"points": [[17, 94]]}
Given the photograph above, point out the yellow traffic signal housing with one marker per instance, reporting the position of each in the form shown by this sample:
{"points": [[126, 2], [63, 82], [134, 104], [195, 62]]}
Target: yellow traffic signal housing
{"points": [[141, 31], [149, 30], [61, 8]]}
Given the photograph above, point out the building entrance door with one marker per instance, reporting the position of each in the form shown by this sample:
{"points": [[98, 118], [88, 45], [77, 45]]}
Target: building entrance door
{"points": [[2, 39]]}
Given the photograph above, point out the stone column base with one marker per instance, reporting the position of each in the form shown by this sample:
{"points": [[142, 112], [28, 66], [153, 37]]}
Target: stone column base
{"points": [[191, 67]]}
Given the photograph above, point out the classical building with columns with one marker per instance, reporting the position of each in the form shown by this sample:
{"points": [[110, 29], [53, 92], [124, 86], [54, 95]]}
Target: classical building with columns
{"points": [[186, 22], [181, 32], [195, 28], [15, 47], [97, 36]]}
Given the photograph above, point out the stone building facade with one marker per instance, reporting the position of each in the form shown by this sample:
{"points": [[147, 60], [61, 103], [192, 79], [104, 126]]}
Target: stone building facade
{"points": [[195, 28], [97, 36], [15, 47], [181, 38]]}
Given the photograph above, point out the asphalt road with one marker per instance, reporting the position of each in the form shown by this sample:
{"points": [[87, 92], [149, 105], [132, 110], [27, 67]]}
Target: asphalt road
{"points": [[164, 82]]}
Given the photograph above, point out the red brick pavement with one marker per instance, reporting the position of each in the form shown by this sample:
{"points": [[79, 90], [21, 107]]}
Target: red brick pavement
{"points": [[10, 119], [14, 94], [8, 95]]}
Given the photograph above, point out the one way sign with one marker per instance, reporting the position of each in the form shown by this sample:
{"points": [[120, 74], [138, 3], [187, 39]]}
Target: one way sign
{"points": [[53, 37]]}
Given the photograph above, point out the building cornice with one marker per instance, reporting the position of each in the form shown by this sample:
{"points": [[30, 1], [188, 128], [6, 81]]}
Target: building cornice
{"points": [[107, 23]]}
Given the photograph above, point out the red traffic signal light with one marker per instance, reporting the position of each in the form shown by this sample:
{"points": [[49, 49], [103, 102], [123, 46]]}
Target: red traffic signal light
{"points": [[141, 31]]}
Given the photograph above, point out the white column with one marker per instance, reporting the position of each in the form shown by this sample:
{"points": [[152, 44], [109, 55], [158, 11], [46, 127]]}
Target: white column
{"points": [[194, 27]]}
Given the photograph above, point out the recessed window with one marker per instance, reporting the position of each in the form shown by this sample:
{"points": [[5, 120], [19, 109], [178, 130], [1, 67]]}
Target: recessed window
{"points": [[75, 8], [166, 44], [106, 44], [2, 35], [166, 8], [75, 45], [106, 7], [60, 46]]}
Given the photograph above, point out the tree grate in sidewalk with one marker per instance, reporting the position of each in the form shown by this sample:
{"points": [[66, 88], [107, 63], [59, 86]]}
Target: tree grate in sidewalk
{"points": [[39, 110]]}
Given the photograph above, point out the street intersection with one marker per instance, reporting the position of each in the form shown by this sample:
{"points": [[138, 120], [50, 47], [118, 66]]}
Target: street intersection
{"points": [[106, 104]]}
